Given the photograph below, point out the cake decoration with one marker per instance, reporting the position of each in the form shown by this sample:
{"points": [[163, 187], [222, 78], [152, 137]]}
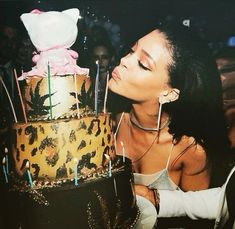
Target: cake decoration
{"points": [[53, 33], [64, 169]]}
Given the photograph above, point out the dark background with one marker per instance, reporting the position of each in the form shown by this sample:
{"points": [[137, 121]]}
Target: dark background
{"points": [[214, 19]]}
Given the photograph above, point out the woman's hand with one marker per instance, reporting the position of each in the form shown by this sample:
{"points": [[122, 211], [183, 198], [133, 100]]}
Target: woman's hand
{"points": [[145, 192]]}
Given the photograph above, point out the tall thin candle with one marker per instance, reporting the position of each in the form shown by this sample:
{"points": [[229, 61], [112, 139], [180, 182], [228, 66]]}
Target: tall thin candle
{"points": [[29, 175], [76, 95], [49, 88], [115, 134], [106, 92], [7, 161], [20, 95], [123, 152], [4, 169], [75, 171], [97, 87]]}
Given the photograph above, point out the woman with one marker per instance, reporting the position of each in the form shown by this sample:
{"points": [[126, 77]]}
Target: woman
{"points": [[175, 131], [101, 53]]}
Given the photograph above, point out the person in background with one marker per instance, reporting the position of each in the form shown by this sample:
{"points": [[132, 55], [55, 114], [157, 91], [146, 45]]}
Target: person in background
{"points": [[101, 54], [225, 59], [9, 40], [175, 132], [9, 43]]}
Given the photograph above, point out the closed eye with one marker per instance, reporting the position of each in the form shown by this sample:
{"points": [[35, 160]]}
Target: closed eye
{"points": [[142, 66]]}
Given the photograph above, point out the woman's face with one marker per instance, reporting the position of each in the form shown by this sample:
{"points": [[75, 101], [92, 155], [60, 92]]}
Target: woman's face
{"points": [[142, 74]]}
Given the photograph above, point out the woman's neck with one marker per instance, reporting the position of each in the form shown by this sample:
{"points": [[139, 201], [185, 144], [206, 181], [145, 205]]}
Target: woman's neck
{"points": [[146, 115]]}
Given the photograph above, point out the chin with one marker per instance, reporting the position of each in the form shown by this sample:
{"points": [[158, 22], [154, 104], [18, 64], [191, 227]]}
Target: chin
{"points": [[115, 87]]}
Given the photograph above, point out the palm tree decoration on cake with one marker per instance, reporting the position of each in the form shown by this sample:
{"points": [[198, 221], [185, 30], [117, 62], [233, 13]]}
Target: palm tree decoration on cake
{"points": [[36, 102], [84, 98]]}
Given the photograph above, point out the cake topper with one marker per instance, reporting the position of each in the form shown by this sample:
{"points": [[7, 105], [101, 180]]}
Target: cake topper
{"points": [[53, 33]]}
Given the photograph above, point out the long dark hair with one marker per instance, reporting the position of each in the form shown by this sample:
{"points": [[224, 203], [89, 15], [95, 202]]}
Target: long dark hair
{"points": [[199, 110]]}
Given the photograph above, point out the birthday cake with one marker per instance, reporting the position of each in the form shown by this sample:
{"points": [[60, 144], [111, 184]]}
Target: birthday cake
{"points": [[66, 173]]}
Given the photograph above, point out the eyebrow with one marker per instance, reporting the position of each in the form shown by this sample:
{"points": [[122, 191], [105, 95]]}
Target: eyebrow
{"points": [[148, 55]]}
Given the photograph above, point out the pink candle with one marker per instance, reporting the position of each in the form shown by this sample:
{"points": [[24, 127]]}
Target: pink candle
{"points": [[97, 87]]}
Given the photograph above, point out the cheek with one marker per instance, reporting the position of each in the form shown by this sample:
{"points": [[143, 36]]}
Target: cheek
{"points": [[137, 90]]}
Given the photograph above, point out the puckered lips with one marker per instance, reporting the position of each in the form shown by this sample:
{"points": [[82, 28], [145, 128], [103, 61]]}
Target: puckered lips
{"points": [[115, 75]]}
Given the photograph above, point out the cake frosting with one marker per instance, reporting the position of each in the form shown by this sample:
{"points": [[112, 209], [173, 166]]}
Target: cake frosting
{"points": [[65, 172], [51, 147]]}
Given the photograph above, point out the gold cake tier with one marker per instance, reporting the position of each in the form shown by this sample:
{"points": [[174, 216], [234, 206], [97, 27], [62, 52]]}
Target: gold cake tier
{"points": [[61, 96], [51, 147]]}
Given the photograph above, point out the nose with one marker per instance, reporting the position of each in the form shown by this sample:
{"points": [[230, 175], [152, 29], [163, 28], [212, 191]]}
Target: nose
{"points": [[123, 61]]}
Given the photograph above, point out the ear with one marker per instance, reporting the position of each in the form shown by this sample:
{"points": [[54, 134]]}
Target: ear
{"points": [[29, 20], [73, 13], [169, 96]]}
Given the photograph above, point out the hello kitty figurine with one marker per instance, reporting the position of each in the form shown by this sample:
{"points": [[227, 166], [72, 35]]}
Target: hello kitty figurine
{"points": [[53, 33]]}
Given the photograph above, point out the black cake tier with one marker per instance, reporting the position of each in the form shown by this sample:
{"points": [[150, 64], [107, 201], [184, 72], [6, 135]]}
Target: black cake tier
{"points": [[98, 201]]}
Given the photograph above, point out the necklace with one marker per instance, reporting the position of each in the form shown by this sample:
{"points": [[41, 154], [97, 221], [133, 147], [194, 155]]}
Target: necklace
{"points": [[148, 149], [166, 123]]}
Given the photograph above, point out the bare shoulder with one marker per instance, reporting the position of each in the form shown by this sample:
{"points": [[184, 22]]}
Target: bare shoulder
{"points": [[194, 157]]}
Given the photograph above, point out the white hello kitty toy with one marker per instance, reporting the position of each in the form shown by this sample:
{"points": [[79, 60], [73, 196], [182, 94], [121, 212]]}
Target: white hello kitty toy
{"points": [[53, 33]]}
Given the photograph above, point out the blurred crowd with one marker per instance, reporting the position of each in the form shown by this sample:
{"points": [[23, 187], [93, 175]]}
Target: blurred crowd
{"points": [[94, 44]]}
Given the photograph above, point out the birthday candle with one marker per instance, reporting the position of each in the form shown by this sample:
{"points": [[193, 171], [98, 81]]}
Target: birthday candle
{"points": [[123, 152], [4, 169], [29, 175], [115, 134], [76, 95], [106, 92], [109, 166], [97, 87], [75, 171], [49, 88], [20, 95], [7, 162]]}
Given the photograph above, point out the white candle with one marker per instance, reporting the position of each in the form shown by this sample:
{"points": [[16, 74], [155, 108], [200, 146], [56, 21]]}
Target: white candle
{"points": [[109, 166], [75, 171], [49, 88], [29, 175], [7, 162], [76, 95], [106, 92], [97, 87], [4, 169], [123, 152]]}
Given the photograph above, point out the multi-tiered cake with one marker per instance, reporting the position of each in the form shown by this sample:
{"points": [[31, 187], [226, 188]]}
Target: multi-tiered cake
{"points": [[66, 172]]}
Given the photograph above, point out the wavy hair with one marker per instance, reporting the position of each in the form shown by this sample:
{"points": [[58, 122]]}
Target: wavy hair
{"points": [[199, 110]]}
